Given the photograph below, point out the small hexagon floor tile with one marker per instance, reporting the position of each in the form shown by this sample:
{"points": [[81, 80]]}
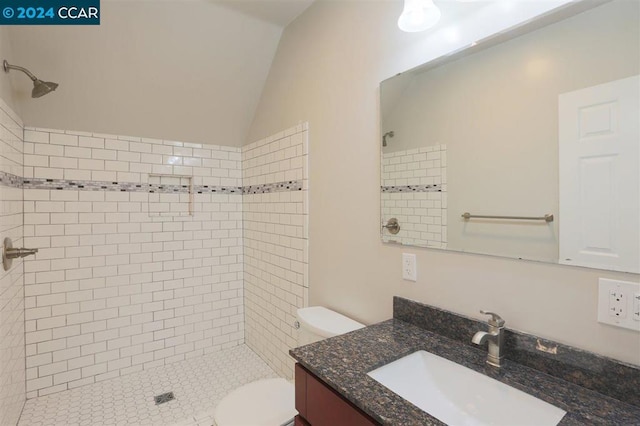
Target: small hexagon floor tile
{"points": [[198, 385]]}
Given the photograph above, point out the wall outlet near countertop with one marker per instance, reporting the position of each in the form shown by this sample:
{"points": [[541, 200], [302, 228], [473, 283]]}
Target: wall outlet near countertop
{"points": [[619, 303], [409, 269]]}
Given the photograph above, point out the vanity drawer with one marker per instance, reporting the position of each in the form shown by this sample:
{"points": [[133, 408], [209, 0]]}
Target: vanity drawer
{"points": [[319, 405]]}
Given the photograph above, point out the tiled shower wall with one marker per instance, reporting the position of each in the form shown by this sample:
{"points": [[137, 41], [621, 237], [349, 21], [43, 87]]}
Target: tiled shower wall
{"points": [[414, 191], [275, 210], [136, 268], [12, 349]]}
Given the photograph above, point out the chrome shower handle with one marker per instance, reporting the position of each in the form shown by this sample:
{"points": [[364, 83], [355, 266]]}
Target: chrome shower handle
{"points": [[393, 226], [14, 253], [9, 253]]}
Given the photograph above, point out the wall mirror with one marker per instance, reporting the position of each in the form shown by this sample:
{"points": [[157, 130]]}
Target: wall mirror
{"points": [[523, 147]]}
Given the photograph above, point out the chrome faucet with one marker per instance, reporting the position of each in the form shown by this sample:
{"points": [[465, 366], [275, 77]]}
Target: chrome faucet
{"points": [[495, 337]]}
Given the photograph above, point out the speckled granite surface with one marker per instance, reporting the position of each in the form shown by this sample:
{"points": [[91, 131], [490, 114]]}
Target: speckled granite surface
{"points": [[604, 375], [343, 362]]}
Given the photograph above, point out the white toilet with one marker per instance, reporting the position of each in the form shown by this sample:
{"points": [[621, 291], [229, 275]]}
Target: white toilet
{"points": [[270, 402]]}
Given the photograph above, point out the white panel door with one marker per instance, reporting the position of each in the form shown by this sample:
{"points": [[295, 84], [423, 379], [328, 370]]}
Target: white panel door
{"points": [[599, 139]]}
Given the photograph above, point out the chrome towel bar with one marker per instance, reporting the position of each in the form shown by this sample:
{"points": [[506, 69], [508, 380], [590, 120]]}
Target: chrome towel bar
{"points": [[546, 217]]}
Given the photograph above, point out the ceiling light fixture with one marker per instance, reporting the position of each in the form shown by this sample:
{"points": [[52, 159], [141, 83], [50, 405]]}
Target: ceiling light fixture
{"points": [[418, 15]]}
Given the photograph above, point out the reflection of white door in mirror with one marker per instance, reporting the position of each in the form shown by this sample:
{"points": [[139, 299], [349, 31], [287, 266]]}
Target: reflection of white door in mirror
{"points": [[599, 138]]}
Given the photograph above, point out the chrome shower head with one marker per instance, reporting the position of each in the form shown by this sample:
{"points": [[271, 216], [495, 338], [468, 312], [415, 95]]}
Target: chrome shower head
{"points": [[384, 138], [40, 88]]}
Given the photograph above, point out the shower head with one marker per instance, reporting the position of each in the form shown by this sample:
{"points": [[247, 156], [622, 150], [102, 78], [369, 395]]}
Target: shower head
{"points": [[40, 88], [384, 138]]}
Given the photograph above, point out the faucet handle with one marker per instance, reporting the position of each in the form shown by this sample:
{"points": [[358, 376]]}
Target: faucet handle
{"points": [[495, 320]]}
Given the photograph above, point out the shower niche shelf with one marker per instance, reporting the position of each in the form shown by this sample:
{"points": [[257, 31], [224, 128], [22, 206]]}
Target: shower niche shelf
{"points": [[170, 195]]}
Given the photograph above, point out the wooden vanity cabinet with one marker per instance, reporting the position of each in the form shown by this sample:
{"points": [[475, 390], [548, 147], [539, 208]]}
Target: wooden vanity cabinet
{"points": [[319, 405]]}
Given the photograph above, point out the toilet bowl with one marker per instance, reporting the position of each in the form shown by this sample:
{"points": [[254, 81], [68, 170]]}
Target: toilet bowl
{"points": [[267, 402], [271, 402]]}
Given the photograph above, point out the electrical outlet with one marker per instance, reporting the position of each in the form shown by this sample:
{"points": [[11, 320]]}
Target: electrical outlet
{"points": [[619, 303], [409, 271]]}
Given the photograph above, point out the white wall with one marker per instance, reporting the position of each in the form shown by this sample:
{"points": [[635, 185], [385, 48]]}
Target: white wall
{"points": [[117, 286], [275, 225], [327, 71], [190, 71], [504, 158], [12, 349], [6, 86]]}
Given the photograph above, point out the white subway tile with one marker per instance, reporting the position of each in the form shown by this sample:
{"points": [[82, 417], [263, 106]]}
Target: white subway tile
{"points": [[64, 162], [91, 142], [139, 147], [89, 164], [48, 173], [118, 145], [53, 368], [67, 376], [109, 274], [117, 166], [36, 136], [77, 152], [103, 176], [39, 383], [62, 139], [52, 345], [76, 342], [70, 174]]}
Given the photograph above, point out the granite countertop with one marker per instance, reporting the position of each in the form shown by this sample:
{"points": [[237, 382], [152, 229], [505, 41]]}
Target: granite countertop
{"points": [[344, 361]]}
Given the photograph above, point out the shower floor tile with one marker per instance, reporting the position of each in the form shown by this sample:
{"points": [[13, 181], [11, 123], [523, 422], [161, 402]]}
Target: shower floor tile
{"points": [[198, 385]]}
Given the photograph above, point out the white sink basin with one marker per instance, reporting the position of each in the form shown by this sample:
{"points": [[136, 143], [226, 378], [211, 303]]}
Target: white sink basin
{"points": [[459, 396]]}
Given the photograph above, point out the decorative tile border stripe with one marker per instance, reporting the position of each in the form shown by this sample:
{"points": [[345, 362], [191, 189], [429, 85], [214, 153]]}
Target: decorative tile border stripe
{"points": [[292, 185], [151, 188], [411, 188], [87, 185], [209, 189], [10, 180]]}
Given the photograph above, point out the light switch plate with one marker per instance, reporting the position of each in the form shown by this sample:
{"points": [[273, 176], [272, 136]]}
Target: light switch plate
{"points": [[618, 303]]}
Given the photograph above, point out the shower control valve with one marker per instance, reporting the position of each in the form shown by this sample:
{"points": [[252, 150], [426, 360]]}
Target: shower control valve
{"points": [[393, 226], [9, 253]]}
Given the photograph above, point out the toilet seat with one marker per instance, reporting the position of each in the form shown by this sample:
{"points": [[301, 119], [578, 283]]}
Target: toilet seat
{"points": [[267, 402]]}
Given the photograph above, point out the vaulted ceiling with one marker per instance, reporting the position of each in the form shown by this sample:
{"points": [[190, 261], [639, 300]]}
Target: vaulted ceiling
{"points": [[279, 12], [183, 70]]}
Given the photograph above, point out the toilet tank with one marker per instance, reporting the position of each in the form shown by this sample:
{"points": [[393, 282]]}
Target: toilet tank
{"points": [[318, 323]]}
